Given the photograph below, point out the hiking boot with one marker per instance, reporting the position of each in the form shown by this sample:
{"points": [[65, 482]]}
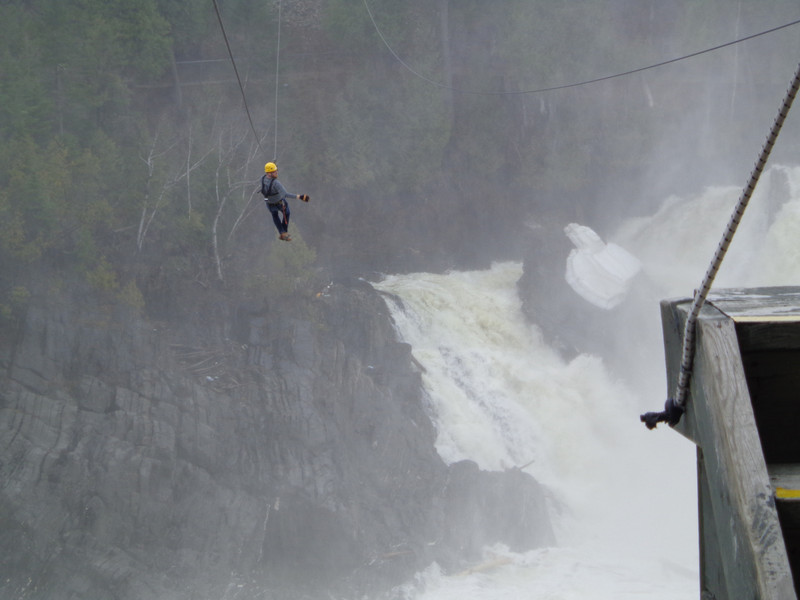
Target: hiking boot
{"points": [[285, 237]]}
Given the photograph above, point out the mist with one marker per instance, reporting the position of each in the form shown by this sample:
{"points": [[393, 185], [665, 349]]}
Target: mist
{"points": [[173, 373]]}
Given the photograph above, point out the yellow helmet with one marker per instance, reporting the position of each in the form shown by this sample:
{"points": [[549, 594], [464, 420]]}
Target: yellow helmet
{"points": [[270, 167]]}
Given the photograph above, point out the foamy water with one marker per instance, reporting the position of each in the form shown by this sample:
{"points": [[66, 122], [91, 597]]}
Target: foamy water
{"points": [[503, 398], [625, 498]]}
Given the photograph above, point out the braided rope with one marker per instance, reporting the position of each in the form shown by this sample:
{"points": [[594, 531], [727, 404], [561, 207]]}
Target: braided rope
{"points": [[687, 355]]}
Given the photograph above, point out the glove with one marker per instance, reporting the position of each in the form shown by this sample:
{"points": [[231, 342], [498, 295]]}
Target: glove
{"points": [[304, 197]]}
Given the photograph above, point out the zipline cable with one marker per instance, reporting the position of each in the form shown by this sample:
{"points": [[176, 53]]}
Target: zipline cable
{"points": [[277, 71], [235, 70], [569, 85], [675, 407]]}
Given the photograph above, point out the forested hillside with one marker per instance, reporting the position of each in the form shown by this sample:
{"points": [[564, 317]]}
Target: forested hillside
{"points": [[128, 161]]}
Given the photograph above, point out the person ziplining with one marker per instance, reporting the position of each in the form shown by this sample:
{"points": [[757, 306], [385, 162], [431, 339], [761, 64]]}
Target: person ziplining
{"points": [[274, 193], [275, 197]]}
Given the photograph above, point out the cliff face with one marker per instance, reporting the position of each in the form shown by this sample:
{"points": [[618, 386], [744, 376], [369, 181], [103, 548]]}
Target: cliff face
{"points": [[292, 453]]}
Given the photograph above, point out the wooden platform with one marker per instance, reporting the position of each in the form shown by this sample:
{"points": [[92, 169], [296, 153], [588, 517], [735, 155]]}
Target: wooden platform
{"points": [[743, 413]]}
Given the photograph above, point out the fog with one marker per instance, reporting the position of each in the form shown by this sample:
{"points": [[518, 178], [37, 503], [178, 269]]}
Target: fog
{"points": [[422, 110], [445, 147], [669, 211]]}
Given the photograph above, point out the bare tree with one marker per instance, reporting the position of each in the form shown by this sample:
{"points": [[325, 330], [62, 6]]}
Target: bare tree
{"points": [[151, 205], [155, 158], [247, 208], [191, 166], [225, 186]]}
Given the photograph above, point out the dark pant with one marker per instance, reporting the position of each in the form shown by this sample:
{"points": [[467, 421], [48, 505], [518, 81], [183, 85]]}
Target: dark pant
{"points": [[280, 216]]}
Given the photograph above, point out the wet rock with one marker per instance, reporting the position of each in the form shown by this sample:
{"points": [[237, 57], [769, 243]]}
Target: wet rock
{"points": [[486, 507], [137, 463]]}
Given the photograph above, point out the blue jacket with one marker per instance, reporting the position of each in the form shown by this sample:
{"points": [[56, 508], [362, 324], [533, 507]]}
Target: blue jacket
{"points": [[277, 193]]}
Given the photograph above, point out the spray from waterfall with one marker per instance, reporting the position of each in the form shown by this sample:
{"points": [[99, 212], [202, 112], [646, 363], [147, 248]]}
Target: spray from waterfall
{"points": [[624, 500]]}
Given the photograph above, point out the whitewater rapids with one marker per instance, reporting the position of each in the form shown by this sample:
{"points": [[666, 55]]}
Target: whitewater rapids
{"points": [[503, 398], [623, 499]]}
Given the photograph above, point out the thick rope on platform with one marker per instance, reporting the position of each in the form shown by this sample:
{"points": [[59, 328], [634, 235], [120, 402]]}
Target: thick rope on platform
{"points": [[671, 415], [674, 408]]}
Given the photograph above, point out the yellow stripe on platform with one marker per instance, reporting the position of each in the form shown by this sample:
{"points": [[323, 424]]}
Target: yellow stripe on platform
{"points": [[766, 318], [785, 493]]}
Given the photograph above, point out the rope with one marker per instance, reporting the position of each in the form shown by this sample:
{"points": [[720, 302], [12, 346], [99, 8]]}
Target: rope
{"points": [[569, 85], [277, 71], [235, 70], [674, 408]]}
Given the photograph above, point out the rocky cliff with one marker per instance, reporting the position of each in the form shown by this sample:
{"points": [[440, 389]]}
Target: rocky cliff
{"points": [[240, 453]]}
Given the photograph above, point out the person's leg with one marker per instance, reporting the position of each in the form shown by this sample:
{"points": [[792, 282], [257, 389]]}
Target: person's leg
{"points": [[285, 224], [286, 214], [277, 218]]}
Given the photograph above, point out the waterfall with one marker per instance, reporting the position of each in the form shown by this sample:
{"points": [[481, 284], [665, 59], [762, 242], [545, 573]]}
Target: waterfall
{"points": [[624, 498]]}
